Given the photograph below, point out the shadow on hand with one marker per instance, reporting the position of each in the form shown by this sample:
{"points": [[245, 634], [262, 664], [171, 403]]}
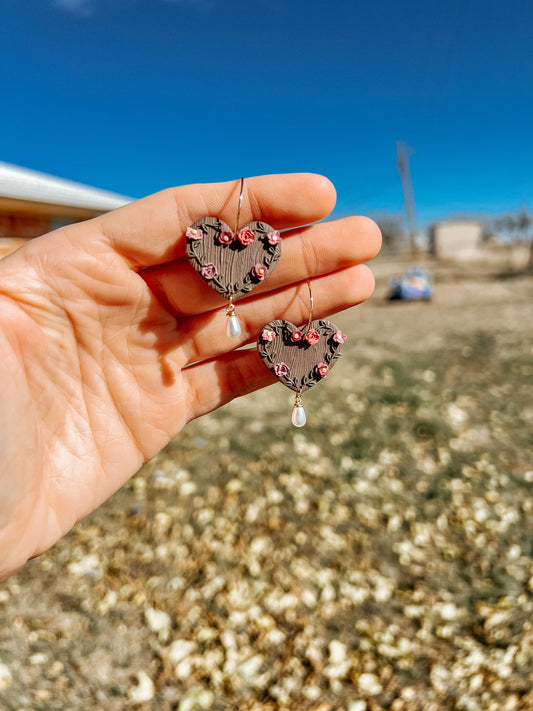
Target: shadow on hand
{"points": [[164, 324]]}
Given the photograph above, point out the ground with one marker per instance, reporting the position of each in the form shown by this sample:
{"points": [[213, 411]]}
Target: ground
{"points": [[379, 558]]}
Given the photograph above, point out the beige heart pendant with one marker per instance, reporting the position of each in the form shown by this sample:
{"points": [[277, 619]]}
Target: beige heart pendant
{"points": [[300, 358], [232, 264]]}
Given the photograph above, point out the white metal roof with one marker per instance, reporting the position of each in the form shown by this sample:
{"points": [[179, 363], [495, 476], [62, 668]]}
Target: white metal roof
{"points": [[24, 184]]}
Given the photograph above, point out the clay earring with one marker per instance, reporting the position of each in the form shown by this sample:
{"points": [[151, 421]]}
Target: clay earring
{"points": [[232, 262], [300, 357]]}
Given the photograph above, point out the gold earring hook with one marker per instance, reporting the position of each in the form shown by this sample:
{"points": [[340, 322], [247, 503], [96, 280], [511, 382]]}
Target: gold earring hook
{"points": [[239, 209], [304, 334], [233, 328]]}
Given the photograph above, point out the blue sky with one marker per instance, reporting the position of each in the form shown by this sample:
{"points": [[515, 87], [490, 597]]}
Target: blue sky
{"points": [[137, 95]]}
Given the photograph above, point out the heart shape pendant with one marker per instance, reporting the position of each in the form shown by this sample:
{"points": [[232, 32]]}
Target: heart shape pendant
{"points": [[232, 264], [300, 358]]}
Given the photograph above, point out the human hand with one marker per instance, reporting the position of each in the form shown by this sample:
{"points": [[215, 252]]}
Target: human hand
{"points": [[99, 320]]}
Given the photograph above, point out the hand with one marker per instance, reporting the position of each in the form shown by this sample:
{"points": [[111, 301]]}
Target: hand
{"points": [[98, 321]]}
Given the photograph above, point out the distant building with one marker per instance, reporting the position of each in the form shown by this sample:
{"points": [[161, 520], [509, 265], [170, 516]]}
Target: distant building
{"points": [[33, 203], [457, 240]]}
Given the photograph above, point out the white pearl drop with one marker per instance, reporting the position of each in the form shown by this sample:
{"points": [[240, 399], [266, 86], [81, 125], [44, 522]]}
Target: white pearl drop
{"points": [[298, 418], [233, 327]]}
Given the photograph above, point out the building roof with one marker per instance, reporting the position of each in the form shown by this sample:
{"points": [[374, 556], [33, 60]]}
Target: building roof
{"points": [[30, 186]]}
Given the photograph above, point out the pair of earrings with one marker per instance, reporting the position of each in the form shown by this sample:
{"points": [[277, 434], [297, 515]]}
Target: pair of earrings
{"points": [[233, 262]]}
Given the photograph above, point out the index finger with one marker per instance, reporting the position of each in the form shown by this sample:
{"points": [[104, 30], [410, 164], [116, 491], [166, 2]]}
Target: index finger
{"points": [[151, 231]]}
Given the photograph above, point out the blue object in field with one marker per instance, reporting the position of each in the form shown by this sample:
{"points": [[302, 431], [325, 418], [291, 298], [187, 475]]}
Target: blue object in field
{"points": [[415, 285]]}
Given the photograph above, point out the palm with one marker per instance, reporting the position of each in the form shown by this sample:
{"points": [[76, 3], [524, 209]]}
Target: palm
{"points": [[92, 378]]}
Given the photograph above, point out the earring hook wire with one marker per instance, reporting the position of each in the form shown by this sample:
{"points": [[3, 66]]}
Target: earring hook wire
{"points": [[304, 334], [241, 193]]}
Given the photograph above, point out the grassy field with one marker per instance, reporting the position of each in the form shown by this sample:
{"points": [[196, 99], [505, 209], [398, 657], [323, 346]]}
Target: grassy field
{"points": [[380, 558]]}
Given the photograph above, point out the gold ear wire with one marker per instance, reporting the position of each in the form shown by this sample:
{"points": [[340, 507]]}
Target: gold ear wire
{"points": [[298, 414], [241, 193], [304, 334], [233, 328]]}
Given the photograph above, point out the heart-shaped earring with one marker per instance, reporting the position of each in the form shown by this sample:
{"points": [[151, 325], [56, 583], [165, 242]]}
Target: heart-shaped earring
{"points": [[232, 262], [300, 357]]}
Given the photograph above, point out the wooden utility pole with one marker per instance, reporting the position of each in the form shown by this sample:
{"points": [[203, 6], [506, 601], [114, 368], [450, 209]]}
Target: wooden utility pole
{"points": [[402, 164]]}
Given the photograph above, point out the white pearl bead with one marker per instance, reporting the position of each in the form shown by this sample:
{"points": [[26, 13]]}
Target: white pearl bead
{"points": [[233, 327], [298, 416]]}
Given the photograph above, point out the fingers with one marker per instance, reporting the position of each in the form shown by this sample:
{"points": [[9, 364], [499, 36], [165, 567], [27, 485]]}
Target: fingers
{"points": [[224, 376], [151, 231], [214, 383], [204, 337], [308, 252]]}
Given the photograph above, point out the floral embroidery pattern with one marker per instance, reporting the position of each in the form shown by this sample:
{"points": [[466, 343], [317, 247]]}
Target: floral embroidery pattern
{"points": [[194, 233], [246, 236], [259, 271], [209, 271], [339, 337], [281, 369], [274, 237], [312, 336], [268, 335], [322, 369]]}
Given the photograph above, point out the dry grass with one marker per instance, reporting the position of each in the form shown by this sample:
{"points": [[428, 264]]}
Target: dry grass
{"points": [[381, 558]]}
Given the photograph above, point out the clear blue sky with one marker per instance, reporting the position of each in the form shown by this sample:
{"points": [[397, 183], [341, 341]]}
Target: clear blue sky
{"points": [[137, 95]]}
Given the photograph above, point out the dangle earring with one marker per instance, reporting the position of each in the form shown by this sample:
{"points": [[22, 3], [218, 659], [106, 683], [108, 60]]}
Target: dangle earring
{"points": [[232, 262], [300, 357]]}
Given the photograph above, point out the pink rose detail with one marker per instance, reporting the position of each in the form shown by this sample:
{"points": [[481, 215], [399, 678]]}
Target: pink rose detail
{"points": [[268, 335], [225, 237], [322, 369], [274, 237], [259, 271], [209, 271], [312, 336], [281, 369], [194, 233], [296, 336], [339, 337], [246, 236]]}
